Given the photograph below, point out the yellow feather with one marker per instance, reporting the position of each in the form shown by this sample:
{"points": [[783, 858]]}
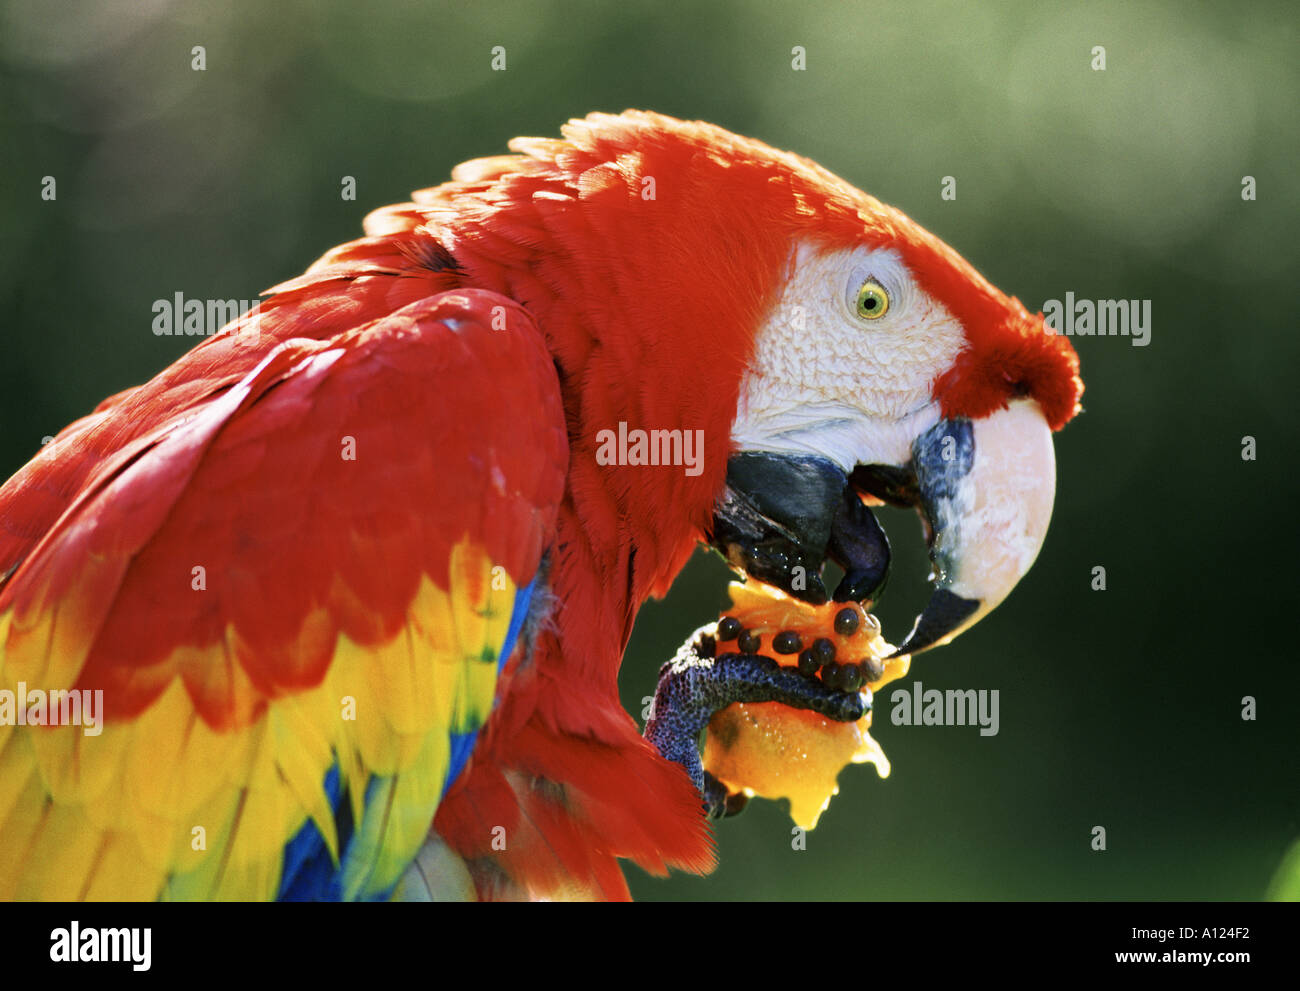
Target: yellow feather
{"points": [[119, 873], [114, 816], [301, 750], [62, 854], [19, 829]]}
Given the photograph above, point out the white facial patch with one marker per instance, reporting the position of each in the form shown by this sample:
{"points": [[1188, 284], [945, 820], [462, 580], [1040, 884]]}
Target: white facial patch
{"points": [[826, 380]]}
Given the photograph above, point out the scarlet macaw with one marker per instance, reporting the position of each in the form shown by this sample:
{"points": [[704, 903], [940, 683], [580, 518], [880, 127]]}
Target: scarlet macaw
{"points": [[356, 580]]}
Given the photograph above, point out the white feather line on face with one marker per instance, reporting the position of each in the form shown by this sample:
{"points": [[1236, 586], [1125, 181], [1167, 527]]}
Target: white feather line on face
{"points": [[827, 381]]}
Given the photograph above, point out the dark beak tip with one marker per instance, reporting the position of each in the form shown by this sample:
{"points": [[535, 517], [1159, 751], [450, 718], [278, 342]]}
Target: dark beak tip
{"points": [[943, 614]]}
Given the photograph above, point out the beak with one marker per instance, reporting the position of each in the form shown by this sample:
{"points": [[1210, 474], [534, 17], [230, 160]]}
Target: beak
{"points": [[984, 489], [781, 516]]}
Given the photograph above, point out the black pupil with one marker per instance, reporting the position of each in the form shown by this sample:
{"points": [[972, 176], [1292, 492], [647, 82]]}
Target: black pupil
{"points": [[871, 303]]}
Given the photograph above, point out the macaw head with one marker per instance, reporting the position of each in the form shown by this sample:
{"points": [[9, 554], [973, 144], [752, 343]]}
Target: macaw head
{"points": [[888, 370], [688, 277]]}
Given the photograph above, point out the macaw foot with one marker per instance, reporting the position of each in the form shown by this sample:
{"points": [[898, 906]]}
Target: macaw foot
{"points": [[699, 682]]}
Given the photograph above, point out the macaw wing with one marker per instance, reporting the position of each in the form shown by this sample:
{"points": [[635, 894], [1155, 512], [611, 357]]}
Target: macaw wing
{"points": [[295, 599]]}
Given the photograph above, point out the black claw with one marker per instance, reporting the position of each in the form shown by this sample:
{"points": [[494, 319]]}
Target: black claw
{"points": [[736, 803], [720, 803], [714, 794]]}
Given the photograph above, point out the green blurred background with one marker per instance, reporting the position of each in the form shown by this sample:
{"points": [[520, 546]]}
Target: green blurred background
{"points": [[1119, 708]]}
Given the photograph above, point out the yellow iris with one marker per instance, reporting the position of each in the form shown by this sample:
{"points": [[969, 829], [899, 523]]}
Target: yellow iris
{"points": [[873, 301]]}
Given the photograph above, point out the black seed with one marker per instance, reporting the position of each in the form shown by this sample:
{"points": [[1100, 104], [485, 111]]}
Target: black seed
{"points": [[706, 646], [808, 663], [748, 642], [787, 642], [851, 678], [729, 628], [872, 669], [846, 622], [831, 675], [824, 650]]}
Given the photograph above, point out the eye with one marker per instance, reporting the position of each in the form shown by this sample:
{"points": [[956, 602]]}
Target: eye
{"points": [[873, 301]]}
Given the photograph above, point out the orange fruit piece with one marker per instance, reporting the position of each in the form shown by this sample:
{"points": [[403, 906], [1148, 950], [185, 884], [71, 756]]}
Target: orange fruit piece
{"points": [[773, 751]]}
